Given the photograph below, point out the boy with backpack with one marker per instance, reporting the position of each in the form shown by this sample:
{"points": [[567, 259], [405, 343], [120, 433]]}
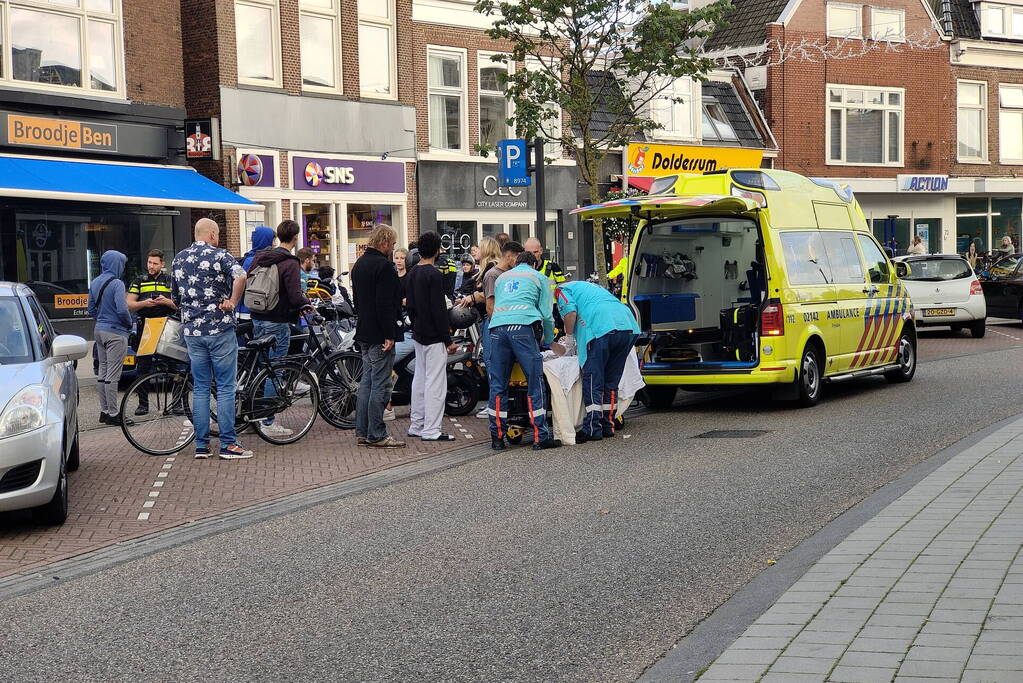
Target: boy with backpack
{"points": [[274, 295]]}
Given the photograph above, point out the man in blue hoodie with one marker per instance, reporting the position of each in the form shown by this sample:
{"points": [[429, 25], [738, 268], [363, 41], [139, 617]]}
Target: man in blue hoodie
{"points": [[262, 238], [108, 306]]}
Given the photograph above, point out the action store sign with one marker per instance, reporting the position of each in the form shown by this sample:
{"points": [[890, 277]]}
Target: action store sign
{"points": [[347, 175]]}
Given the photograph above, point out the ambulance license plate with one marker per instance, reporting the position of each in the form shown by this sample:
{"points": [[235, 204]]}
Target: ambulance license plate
{"points": [[930, 312], [129, 360]]}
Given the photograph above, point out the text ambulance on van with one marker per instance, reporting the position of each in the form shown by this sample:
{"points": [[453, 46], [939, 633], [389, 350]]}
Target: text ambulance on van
{"points": [[764, 277]]}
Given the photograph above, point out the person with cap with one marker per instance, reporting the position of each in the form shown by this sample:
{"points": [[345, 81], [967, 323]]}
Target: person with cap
{"points": [[605, 332], [523, 317]]}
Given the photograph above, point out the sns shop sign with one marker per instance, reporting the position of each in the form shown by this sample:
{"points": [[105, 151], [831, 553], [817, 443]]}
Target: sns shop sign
{"points": [[347, 175]]}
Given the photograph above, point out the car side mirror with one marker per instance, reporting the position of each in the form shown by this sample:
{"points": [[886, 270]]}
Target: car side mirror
{"points": [[69, 347], [902, 269]]}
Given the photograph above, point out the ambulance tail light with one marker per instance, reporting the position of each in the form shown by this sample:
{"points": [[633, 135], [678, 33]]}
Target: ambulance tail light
{"points": [[975, 288], [772, 319]]}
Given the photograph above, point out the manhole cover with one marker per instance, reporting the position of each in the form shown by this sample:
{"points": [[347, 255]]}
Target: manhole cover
{"points": [[733, 434]]}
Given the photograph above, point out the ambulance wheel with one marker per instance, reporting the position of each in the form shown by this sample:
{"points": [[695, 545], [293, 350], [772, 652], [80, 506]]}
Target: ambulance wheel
{"points": [[906, 360], [659, 396], [810, 379]]}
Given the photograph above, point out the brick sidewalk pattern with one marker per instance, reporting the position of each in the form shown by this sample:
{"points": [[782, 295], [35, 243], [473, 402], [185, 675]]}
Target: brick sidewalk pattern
{"points": [[119, 493], [931, 589]]}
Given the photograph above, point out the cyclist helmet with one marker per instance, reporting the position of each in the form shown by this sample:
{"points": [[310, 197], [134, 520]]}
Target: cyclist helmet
{"points": [[461, 317]]}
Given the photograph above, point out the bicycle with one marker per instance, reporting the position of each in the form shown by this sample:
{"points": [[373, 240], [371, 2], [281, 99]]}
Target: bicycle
{"points": [[270, 391]]}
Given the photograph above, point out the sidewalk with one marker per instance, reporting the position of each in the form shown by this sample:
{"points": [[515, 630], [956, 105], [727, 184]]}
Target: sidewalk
{"points": [[930, 589]]}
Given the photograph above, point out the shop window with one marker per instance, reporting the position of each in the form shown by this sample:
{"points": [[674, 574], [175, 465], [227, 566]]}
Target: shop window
{"points": [[716, 125], [257, 37], [888, 24], [320, 37], [457, 236], [318, 233], [972, 120], [845, 21], [1010, 124], [895, 236], [972, 218], [447, 99], [361, 219], [864, 126], [253, 220], [1005, 220], [673, 109], [57, 253], [929, 229], [494, 106], [67, 45], [377, 49]]}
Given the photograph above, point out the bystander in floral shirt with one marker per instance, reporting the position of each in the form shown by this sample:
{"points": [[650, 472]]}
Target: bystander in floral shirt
{"points": [[202, 277]]}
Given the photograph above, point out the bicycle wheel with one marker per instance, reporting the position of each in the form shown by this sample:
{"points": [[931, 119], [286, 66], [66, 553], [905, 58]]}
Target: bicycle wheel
{"points": [[339, 386], [156, 410], [288, 396]]}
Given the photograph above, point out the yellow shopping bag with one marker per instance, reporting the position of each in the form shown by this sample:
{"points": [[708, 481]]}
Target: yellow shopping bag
{"points": [[150, 336]]}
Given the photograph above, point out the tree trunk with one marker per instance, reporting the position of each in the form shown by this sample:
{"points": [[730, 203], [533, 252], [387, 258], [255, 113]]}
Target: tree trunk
{"points": [[599, 258]]}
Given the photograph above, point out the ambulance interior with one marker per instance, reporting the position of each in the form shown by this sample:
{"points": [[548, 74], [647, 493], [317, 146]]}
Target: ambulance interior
{"points": [[696, 287]]}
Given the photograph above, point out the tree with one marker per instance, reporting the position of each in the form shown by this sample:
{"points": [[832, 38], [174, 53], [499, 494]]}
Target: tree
{"points": [[602, 63]]}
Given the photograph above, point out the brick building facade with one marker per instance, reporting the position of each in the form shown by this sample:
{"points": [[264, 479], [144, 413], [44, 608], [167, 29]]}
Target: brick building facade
{"points": [[310, 127], [86, 102], [882, 109]]}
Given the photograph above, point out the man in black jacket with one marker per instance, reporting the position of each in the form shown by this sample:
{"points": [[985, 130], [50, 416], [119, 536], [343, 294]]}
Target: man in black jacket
{"points": [[431, 334], [375, 289], [290, 301]]}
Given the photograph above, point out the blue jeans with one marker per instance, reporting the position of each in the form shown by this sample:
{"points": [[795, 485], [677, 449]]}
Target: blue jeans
{"points": [[213, 357], [282, 335], [403, 349], [374, 390], [484, 329], [508, 344], [605, 362]]}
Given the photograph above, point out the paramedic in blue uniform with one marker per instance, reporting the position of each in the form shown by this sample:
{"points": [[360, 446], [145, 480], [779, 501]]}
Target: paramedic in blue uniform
{"points": [[523, 302], [605, 332]]}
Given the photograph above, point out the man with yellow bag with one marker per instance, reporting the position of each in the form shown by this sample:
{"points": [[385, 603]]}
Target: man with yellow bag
{"points": [[149, 297]]}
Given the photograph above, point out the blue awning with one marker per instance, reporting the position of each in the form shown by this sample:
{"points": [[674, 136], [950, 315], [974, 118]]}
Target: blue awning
{"points": [[118, 183]]}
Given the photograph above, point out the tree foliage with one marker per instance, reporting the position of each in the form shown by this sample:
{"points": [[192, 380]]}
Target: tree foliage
{"points": [[602, 63]]}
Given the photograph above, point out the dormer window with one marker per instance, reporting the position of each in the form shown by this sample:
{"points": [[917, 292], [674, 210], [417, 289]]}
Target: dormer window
{"points": [[1001, 21]]}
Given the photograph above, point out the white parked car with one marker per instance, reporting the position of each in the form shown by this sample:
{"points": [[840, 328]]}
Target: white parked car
{"points": [[38, 407], [945, 291]]}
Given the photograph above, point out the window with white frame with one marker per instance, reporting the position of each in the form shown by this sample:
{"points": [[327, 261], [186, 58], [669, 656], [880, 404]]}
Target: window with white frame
{"points": [[495, 108], [1010, 124], [888, 24], [865, 125], [716, 125], [320, 36], [673, 109], [446, 79], [257, 36], [377, 49], [1001, 21], [73, 45], [845, 21], [972, 120], [551, 128]]}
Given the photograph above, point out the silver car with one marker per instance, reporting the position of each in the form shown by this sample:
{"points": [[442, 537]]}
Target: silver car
{"points": [[39, 418]]}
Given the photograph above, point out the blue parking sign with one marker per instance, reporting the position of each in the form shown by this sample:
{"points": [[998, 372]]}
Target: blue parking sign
{"points": [[513, 164]]}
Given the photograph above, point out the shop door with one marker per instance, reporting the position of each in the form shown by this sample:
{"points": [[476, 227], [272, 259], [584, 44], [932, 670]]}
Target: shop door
{"points": [[319, 232], [930, 230], [901, 236]]}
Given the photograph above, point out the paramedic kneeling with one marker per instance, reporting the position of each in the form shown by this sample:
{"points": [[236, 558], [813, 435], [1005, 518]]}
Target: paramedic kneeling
{"points": [[522, 301], [605, 332]]}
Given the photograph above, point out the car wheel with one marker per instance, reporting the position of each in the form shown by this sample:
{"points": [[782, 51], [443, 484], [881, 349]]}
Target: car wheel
{"points": [[978, 328], [659, 396], [73, 456], [956, 329], [810, 378], [55, 512], [906, 359]]}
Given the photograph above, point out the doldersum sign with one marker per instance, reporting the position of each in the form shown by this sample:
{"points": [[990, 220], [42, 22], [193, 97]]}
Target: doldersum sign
{"points": [[347, 175]]}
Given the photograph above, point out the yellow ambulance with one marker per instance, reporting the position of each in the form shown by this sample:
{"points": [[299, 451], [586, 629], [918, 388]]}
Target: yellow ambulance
{"points": [[761, 277]]}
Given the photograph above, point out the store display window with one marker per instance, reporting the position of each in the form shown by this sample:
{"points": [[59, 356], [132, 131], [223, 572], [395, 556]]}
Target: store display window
{"points": [[317, 233], [361, 219]]}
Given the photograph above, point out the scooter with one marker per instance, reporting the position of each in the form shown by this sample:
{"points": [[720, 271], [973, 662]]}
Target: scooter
{"points": [[463, 389]]}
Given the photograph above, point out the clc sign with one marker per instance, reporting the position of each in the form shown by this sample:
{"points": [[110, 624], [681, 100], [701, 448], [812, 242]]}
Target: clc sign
{"points": [[490, 195]]}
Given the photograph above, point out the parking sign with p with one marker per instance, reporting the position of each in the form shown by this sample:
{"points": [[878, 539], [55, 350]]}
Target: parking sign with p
{"points": [[513, 163]]}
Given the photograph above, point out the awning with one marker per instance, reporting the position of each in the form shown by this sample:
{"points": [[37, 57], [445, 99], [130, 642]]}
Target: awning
{"points": [[117, 183], [641, 182]]}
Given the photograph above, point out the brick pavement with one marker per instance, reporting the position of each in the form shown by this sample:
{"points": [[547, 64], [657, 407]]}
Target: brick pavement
{"points": [[120, 493], [930, 589]]}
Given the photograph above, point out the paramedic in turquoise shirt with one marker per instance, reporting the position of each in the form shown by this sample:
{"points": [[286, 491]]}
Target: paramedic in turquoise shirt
{"points": [[605, 331], [523, 300]]}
